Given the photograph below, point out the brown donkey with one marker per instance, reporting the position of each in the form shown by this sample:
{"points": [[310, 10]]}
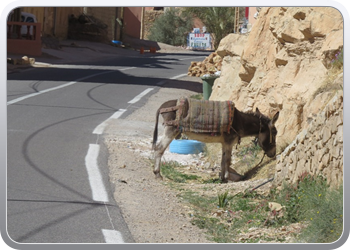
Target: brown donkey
{"points": [[243, 125]]}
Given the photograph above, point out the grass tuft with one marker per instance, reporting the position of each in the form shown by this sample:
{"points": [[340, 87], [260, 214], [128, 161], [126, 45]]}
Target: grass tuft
{"points": [[169, 170]]}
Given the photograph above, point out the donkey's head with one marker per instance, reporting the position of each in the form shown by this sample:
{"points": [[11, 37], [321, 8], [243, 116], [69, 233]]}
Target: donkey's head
{"points": [[267, 133]]}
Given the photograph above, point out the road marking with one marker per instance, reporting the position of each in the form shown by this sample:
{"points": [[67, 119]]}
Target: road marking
{"points": [[61, 86], [178, 76], [70, 66], [142, 94], [99, 192], [112, 236], [190, 58], [172, 78], [183, 59], [100, 128]]}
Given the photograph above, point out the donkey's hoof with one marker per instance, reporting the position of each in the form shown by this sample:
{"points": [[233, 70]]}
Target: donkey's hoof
{"points": [[224, 180], [158, 176]]}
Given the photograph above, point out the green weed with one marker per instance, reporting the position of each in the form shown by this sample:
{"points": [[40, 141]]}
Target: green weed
{"points": [[224, 199], [312, 201], [168, 169], [226, 218], [198, 96]]}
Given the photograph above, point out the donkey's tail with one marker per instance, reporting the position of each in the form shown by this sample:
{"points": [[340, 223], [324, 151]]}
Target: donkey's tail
{"points": [[155, 132]]}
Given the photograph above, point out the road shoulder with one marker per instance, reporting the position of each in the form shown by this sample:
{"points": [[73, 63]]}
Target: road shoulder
{"points": [[151, 209]]}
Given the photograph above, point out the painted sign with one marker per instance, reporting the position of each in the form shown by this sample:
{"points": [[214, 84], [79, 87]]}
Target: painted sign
{"points": [[199, 41]]}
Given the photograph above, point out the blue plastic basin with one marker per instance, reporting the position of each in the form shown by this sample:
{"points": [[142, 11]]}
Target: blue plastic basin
{"points": [[117, 42], [186, 147]]}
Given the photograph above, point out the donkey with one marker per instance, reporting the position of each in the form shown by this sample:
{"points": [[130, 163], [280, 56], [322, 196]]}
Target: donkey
{"points": [[243, 125]]}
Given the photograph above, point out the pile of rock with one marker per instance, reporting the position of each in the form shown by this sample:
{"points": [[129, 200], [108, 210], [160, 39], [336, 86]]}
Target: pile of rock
{"points": [[210, 65], [25, 60]]}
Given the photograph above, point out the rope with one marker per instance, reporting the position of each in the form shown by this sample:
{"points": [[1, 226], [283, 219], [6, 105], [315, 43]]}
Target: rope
{"points": [[262, 184], [260, 161]]}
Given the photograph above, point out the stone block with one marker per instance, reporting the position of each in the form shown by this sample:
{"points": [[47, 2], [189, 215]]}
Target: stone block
{"points": [[325, 159], [339, 120], [279, 167], [326, 134], [335, 152], [339, 134]]}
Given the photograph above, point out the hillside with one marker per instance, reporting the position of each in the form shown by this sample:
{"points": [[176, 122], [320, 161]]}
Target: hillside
{"points": [[285, 64]]}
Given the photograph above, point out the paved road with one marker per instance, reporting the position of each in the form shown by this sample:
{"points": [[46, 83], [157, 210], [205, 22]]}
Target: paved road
{"points": [[57, 174]]}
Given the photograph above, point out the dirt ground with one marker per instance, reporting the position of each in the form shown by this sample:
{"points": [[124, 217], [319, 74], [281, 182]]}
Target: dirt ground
{"points": [[152, 209]]}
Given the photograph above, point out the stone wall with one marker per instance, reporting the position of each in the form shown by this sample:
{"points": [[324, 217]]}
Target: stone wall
{"points": [[318, 149]]}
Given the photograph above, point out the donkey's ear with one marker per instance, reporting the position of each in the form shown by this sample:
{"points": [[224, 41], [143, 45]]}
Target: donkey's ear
{"points": [[275, 118], [257, 110]]}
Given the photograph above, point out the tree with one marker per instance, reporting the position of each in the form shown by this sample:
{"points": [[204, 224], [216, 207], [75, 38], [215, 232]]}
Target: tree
{"points": [[171, 28], [219, 21]]}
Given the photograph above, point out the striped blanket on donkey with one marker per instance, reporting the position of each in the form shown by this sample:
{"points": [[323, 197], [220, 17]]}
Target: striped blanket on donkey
{"points": [[204, 116]]}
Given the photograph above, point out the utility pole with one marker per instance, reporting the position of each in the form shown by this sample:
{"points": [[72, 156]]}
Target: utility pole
{"points": [[236, 21], [142, 32]]}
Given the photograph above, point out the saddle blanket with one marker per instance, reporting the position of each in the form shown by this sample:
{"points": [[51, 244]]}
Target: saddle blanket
{"points": [[204, 116]]}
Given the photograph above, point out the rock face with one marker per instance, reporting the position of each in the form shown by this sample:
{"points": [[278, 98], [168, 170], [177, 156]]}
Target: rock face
{"points": [[282, 65]]}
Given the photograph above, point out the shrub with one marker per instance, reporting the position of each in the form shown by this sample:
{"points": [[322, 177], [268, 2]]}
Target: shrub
{"points": [[313, 202], [324, 213], [171, 28]]}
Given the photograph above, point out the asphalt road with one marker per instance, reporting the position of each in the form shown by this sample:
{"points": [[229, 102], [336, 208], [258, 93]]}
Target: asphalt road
{"points": [[58, 189]]}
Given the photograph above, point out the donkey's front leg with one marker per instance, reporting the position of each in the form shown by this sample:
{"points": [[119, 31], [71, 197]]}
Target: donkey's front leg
{"points": [[169, 134], [227, 173]]}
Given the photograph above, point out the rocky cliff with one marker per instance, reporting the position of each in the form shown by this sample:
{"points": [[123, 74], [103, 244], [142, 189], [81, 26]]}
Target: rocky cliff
{"points": [[283, 65]]}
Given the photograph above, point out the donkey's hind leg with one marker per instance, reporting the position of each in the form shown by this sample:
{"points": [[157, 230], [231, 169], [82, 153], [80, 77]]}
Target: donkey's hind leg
{"points": [[169, 134], [225, 161]]}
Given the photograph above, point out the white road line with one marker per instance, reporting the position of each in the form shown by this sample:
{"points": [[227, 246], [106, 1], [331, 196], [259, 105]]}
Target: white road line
{"points": [[61, 86], [190, 58], [44, 91], [142, 94], [70, 66], [178, 76], [172, 78], [100, 128], [183, 59], [22, 98], [117, 114], [99, 192], [112, 236]]}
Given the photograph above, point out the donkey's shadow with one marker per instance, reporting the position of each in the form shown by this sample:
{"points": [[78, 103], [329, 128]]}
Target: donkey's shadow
{"points": [[253, 171]]}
